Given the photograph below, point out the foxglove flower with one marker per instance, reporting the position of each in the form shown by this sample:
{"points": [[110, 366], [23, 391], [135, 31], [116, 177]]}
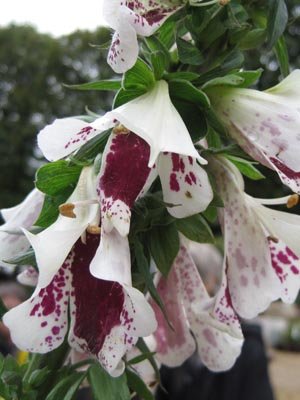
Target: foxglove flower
{"points": [[262, 245], [148, 132], [12, 240], [265, 124], [132, 18], [212, 321], [106, 318]]}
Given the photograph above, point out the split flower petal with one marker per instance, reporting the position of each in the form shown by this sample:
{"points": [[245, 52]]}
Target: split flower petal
{"points": [[106, 318], [12, 241], [265, 124], [212, 320]]}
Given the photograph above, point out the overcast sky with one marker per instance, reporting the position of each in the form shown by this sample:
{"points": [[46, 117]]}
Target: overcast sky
{"points": [[57, 17]]}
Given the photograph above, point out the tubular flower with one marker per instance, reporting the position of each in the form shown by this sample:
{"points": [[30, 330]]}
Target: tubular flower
{"points": [[265, 124], [188, 306], [12, 240], [262, 247], [149, 129], [106, 318]]}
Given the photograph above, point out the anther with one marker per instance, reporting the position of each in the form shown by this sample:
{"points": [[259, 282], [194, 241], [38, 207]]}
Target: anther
{"points": [[120, 130], [273, 239], [93, 229], [67, 210], [293, 200]]}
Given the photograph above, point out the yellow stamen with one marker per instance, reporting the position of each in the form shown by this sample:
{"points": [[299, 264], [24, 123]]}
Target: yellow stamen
{"points": [[93, 229], [223, 2], [293, 200], [120, 130], [67, 210]]}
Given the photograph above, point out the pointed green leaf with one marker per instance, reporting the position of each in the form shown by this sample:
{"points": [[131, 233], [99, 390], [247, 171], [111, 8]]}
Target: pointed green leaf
{"points": [[98, 85]]}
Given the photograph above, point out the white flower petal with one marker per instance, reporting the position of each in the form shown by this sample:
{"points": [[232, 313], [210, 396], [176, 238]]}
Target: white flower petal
{"points": [[153, 117], [20, 216], [28, 277], [40, 324], [112, 259], [66, 135], [52, 245], [124, 48], [184, 184], [213, 321], [176, 345], [138, 317], [251, 279], [287, 267], [266, 124]]}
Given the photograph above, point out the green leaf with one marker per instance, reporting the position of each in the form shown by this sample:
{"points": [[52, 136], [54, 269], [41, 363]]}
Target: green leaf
{"points": [[185, 90], [164, 246], [90, 150], [186, 76], [27, 258], [67, 387], [141, 357], [250, 77], [188, 53], [104, 387], [123, 96], [277, 20], [3, 309], [227, 80], [158, 63], [140, 76], [138, 386], [282, 55], [50, 210], [39, 376], [195, 228], [111, 84], [144, 269], [57, 178], [253, 39], [246, 167]]}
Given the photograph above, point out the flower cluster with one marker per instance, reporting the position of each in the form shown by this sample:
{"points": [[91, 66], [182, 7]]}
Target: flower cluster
{"points": [[85, 286]]}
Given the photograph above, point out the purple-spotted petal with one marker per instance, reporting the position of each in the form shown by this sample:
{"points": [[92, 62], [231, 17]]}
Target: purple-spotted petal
{"points": [[124, 48], [185, 184], [153, 117], [266, 124], [287, 267], [40, 324], [173, 346], [213, 321], [130, 18], [106, 319], [251, 279], [12, 241], [66, 135]]}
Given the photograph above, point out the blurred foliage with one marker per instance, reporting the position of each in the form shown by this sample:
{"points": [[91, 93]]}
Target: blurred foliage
{"points": [[33, 67]]}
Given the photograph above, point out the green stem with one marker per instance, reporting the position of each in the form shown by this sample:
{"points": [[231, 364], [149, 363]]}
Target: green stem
{"points": [[32, 366]]}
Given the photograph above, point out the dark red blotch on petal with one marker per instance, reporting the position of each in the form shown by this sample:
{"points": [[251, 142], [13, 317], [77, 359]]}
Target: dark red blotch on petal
{"points": [[98, 303], [126, 168]]}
